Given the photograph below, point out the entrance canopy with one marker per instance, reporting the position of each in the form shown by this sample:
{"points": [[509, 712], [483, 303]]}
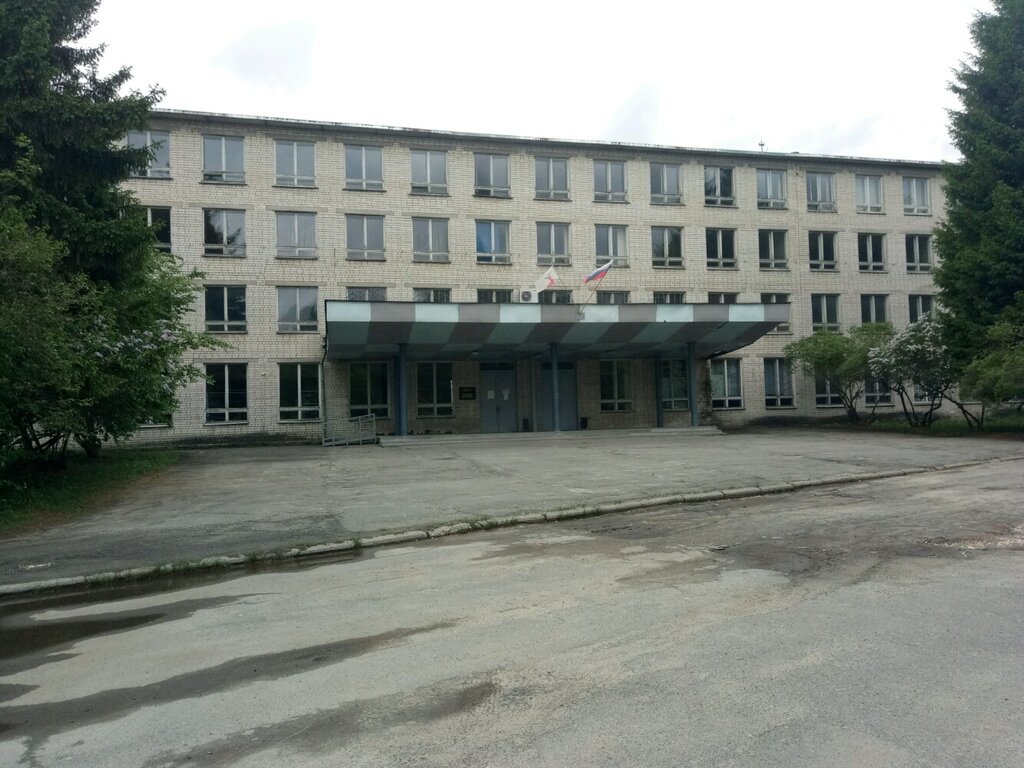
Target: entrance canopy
{"points": [[358, 330]]}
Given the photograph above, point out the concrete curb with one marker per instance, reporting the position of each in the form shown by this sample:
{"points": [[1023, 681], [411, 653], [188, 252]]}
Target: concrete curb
{"points": [[461, 527]]}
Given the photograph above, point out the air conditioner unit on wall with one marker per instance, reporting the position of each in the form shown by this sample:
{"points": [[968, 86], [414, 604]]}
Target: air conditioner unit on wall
{"points": [[527, 296]]}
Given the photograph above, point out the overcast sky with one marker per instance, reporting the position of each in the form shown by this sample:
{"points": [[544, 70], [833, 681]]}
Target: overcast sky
{"points": [[864, 77]]}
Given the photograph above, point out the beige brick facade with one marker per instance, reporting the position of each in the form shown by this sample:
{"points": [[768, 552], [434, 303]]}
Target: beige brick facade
{"points": [[262, 348]]}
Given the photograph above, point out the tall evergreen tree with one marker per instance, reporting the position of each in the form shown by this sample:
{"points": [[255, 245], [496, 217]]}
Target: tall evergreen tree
{"points": [[981, 243], [115, 327]]}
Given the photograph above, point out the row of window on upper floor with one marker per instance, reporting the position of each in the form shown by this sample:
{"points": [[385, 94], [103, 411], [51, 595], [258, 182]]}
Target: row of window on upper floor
{"points": [[295, 166], [224, 235]]}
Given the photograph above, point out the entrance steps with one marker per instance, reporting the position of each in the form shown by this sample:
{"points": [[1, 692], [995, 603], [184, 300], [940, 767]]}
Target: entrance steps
{"points": [[393, 441]]}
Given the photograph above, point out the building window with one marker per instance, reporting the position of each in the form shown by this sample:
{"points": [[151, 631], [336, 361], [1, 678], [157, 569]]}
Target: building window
{"points": [[822, 248], [226, 395], [869, 194], [432, 295], [665, 178], [434, 389], [552, 243], [429, 172], [876, 393], [224, 159], [223, 232], [225, 308], [494, 296], [666, 246], [296, 309], [771, 188], [616, 385], [552, 178], [611, 244], [919, 253], [361, 293], [871, 252], [824, 395], [778, 383], [777, 298], [821, 192], [159, 145], [555, 297], [726, 387], [721, 248], [670, 297], [296, 163], [825, 312], [723, 298], [920, 306], [718, 188], [872, 308], [296, 235], [492, 242], [610, 181], [368, 389], [364, 168], [364, 237], [613, 297], [771, 248], [299, 391], [915, 196], [490, 175], [430, 240], [159, 219], [675, 386]]}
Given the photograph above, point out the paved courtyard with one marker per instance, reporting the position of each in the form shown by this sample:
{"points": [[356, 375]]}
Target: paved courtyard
{"points": [[244, 500]]}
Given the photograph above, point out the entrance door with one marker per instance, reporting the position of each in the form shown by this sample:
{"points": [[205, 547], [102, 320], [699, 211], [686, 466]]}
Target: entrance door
{"points": [[497, 397], [566, 397]]}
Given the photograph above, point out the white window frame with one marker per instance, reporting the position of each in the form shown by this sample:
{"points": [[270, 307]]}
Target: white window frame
{"points": [[435, 407], [915, 305], [148, 140], [620, 398], [432, 295], [362, 182], [288, 224], [916, 196], [876, 393], [830, 321], [824, 397], [661, 176], [778, 383], [777, 298], [436, 231], [291, 177], [866, 256], [551, 256], [874, 308], [222, 174], [493, 295], [225, 247], [358, 225], [661, 235], [919, 259], [769, 243], [224, 324], [607, 194], [162, 245], [374, 371], [719, 297], [430, 185], [550, 192], [821, 192], [870, 198], [718, 260], [774, 196], [297, 324], [816, 240], [675, 384], [487, 165], [611, 242], [731, 377], [232, 412], [555, 296], [714, 192], [303, 412], [609, 298], [669, 297], [494, 256], [376, 293]]}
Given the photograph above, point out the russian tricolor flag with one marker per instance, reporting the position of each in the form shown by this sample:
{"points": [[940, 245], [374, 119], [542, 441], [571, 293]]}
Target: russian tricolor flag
{"points": [[598, 273]]}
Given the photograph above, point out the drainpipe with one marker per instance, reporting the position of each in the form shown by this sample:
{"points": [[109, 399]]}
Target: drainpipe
{"points": [[401, 393], [691, 375]]}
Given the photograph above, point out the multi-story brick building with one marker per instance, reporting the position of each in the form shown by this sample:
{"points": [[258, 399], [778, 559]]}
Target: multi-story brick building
{"points": [[357, 270]]}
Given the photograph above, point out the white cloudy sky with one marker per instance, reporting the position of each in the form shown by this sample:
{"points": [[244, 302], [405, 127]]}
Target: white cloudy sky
{"points": [[860, 77]]}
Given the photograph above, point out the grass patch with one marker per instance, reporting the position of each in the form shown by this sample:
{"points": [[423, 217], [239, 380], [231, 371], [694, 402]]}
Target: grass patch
{"points": [[36, 496], [950, 426]]}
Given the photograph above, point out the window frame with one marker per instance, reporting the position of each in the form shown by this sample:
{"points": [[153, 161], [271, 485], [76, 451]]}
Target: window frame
{"points": [[609, 194], [773, 177], [824, 397], [870, 304], [779, 373], [863, 183], [294, 179], [723, 297], [493, 295], [232, 411], [430, 185], [434, 407], [304, 413], [363, 183], [164, 246], [492, 188], [431, 256], [436, 295], [225, 247], [552, 296], [876, 393], [373, 372], [830, 321], [552, 258], [666, 171], [223, 175], [915, 306], [609, 237], [225, 324], [619, 398], [719, 261], [359, 223], [494, 256], [727, 401], [550, 192], [815, 199], [668, 297], [816, 240], [298, 324], [915, 262], [611, 298], [667, 260], [674, 398], [151, 171], [380, 291], [777, 298], [295, 251], [866, 260], [917, 187], [768, 258], [717, 185]]}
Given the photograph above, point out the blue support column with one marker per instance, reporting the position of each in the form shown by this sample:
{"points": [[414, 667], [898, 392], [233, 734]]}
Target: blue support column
{"points": [[691, 383], [401, 393], [659, 411], [554, 388]]}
